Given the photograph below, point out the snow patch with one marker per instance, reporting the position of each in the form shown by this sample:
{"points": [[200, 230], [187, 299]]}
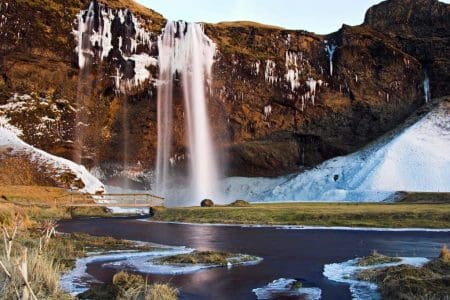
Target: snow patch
{"points": [[78, 280], [285, 288]]}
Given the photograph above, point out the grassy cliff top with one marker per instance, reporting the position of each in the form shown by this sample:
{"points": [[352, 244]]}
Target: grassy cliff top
{"points": [[247, 24]]}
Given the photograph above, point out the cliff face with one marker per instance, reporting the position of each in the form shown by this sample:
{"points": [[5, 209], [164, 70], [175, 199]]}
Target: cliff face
{"points": [[422, 28], [278, 102], [313, 115]]}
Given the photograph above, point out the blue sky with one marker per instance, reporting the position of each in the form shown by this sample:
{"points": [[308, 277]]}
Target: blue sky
{"points": [[320, 16]]}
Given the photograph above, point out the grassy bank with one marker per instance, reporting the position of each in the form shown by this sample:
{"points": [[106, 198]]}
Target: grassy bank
{"points": [[396, 215], [24, 211], [409, 197], [33, 257], [430, 281], [37, 203]]}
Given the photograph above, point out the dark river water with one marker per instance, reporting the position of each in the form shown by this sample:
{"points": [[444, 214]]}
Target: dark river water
{"points": [[298, 254]]}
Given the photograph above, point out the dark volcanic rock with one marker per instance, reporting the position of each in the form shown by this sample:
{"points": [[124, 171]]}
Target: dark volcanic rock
{"points": [[423, 29]]}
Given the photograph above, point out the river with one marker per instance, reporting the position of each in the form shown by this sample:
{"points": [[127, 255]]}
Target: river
{"points": [[287, 253]]}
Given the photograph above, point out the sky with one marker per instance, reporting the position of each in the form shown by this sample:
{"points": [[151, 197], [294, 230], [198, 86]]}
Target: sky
{"points": [[319, 16]]}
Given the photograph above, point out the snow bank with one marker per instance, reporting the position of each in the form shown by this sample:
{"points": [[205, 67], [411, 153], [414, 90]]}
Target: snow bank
{"points": [[346, 272], [9, 139], [284, 287], [78, 280], [415, 159]]}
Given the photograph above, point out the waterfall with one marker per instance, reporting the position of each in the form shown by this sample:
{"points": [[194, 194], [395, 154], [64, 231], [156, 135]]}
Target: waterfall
{"points": [[426, 87], [185, 52], [330, 50], [86, 25]]}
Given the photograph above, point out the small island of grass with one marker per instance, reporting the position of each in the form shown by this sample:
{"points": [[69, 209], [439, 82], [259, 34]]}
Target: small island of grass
{"points": [[377, 259], [213, 258]]}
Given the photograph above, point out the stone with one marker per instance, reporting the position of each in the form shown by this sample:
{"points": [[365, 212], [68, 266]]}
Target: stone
{"points": [[207, 203]]}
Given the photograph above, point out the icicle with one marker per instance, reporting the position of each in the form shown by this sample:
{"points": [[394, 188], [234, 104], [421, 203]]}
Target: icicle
{"points": [[270, 72], [267, 111]]}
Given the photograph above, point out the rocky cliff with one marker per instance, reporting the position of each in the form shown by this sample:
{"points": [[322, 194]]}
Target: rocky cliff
{"points": [[281, 100]]}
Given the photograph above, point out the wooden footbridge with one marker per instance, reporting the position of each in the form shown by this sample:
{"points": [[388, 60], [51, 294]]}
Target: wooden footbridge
{"points": [[109, 200]]}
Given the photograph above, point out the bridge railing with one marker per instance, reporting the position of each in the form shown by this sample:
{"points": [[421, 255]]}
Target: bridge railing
{"points": [[74, 199]]}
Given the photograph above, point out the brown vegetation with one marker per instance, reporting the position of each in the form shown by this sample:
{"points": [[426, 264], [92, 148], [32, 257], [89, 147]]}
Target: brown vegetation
{"points": [[377, 258], [20, 170], [407, 282], [127, 286]]}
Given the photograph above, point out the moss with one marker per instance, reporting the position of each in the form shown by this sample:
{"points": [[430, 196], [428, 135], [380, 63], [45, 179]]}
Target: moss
{"points": [[376, 259]]}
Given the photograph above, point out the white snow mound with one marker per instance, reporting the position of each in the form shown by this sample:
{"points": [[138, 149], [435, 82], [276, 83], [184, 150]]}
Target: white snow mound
{"points": [[417, 159]]}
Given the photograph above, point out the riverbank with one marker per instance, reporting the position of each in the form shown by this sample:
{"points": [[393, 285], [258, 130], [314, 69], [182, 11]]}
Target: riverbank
{"points": [[28, 217], [379, 215]]}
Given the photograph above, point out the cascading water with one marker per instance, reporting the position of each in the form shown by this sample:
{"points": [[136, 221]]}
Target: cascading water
{"points": [[186, 52], [330, 49], [86, 24], [426, 87]]}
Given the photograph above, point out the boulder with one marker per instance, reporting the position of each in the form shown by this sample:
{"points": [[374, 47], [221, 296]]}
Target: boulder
{"points": [[207, 203], [239, 203]]}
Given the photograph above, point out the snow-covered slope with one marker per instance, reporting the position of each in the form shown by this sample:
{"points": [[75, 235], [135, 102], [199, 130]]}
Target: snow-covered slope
{"points": [[9, 139], [415, 159]]}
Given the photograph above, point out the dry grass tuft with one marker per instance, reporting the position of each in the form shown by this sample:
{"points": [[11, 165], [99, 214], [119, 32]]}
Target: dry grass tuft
{"points": [[444, 254], [29, 269], [160, 291], [128, 286]]}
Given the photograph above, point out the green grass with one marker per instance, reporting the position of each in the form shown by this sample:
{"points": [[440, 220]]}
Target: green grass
{"points": [[247, 24], [396, 215]]}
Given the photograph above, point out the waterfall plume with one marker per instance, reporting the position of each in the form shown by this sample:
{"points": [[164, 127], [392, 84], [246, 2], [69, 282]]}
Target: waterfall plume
{"points": [[186, 53]]}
